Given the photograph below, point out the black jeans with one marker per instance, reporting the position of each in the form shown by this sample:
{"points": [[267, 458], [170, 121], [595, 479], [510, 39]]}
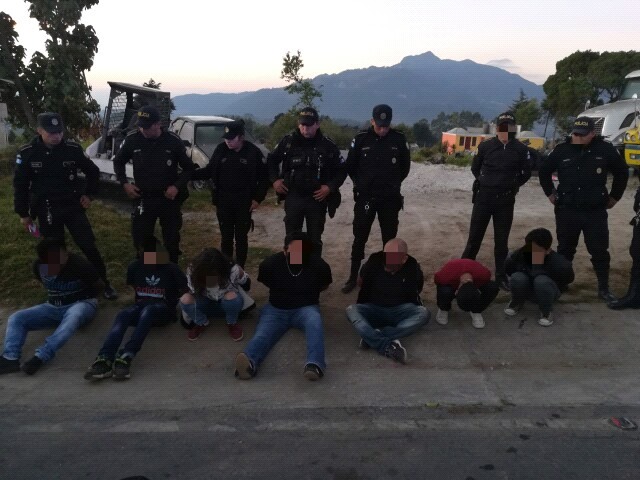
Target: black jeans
{"points": [[234, 219], [364, 213], [487, 294], [485, 208], [634, 251], [300, 209], [541, 290], [143, 222], [593, 224], [76, 221]]}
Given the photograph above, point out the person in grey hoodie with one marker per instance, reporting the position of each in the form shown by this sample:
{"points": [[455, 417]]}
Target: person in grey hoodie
{"points": [[537, 273]]}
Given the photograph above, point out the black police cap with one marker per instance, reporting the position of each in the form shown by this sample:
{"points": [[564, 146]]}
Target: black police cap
{"points": [[233, 129], [507, 117], [51, 122], [308, 116], [382, 115], [583, 126], [148, 116]]}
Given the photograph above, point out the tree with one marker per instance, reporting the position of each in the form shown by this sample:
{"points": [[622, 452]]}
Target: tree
{"points": [[407, 130], [55, 81], [152, 84], [463, 119], [526, 110], [298, 85], [422, 133]]}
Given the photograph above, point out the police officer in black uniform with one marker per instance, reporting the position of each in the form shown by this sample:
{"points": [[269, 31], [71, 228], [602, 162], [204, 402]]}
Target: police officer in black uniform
{"points": [[307, 168], [47, 187], [501, 166], [159, 188], [378, 162], [632, 298], [581, 199], [240, 180]]}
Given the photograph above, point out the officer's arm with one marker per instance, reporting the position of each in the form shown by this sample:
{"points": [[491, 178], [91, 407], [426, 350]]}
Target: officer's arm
{"points": [[476, 164], [91, 171], [352, 160], [547, 167], [120, 161], [618, 167], [339, 170], [206, 172], [180, 152], [274, 159], [21, 183], [525, 166], [262, 178], [405, 159]]}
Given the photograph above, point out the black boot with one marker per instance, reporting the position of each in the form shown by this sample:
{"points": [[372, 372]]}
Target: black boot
{"points": [[353, 277], [630, 300], [605, 294]]}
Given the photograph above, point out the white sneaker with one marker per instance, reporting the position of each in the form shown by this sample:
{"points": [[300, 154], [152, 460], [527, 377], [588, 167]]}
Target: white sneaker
{"points": [[546, 320], [442, 317], [476, 320], [512, 309]]}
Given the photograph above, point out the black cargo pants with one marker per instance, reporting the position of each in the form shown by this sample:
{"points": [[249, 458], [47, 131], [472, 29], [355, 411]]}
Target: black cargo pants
{"points": [[234, 219], [143, 221], [364, 213], [304, 208]]}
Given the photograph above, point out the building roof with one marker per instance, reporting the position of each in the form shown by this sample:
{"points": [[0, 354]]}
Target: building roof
{"points": [[528, 134], [458, 131]]}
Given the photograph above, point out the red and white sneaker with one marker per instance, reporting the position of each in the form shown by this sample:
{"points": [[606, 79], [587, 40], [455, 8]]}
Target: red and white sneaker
{"points": [[195, 332], [235, 331]]}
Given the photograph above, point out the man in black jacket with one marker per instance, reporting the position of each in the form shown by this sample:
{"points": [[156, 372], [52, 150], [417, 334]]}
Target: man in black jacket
{"points": [[159, 188], [378, 162], [581, 199], [47, 187], [389, 305], [537, 273], [501, 166], [307, 168], [238, 171]]}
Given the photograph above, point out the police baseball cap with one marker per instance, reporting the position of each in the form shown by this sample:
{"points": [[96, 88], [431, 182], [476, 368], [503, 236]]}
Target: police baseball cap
{"points": [[233, 129], [50, 122], [506, 117], [308, 116], [382, 115], [148, 116], [583, 126]]}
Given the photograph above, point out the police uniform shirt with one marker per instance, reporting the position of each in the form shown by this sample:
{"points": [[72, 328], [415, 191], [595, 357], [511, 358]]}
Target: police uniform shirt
{"points": [[582, 173], [155, 162], [157, 283], [378, 165], [52, 173], [502, 166]]}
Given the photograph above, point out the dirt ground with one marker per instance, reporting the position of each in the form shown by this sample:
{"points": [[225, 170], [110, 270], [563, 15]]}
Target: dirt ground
{"points": [[435, 224]]}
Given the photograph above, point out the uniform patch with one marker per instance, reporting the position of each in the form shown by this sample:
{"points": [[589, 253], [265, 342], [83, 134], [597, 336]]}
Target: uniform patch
{"points": [[353, 143], [243, 161], [407, 145], [393, 160], [36, 164], [598, 170], [169, 163], [71, 177], [19, 160]]}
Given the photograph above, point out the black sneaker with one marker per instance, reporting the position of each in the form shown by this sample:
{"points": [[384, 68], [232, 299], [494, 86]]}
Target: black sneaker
{"points": [[364, 345], [606, 295], [121, 368], [109, 293], [99, 369], [245, 369], [32, 365], [396, 351], [312, 372], [503, 283], [349, 285], [9, 366]]}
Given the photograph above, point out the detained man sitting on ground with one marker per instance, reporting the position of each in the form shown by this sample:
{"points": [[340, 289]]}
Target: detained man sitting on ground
{"points": [[389, 305], [537, 273], [295, 278], [469, 282]]}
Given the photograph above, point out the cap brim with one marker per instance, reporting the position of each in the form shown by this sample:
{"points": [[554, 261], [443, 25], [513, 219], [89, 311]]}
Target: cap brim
{"points": [[145, 123], [382, 123], [230, 136], [581, 131], [53, 129], [307, 121]]}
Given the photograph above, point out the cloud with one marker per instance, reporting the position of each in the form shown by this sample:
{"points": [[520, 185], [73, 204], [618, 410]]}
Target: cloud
{"points": [[505, 64]]}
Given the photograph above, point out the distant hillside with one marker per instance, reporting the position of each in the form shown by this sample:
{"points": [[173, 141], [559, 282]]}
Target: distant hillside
{"points": [[420, 86]]}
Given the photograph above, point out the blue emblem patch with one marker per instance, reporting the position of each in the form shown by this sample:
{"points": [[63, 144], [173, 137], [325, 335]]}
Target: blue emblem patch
{"points": [[19, 160]]}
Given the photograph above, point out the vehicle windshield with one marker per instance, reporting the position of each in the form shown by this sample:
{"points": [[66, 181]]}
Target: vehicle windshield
{"points": [[630, 87], [208, 137]]}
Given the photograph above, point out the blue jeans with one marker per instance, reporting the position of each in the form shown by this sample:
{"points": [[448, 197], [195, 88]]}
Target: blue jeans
{"points": [[378, 326], [142, 317], [205, 307], [274, 322], [541, 290], [66, 319]]}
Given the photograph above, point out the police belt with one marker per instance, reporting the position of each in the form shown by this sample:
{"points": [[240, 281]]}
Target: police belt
{"points": [[69, 298]]}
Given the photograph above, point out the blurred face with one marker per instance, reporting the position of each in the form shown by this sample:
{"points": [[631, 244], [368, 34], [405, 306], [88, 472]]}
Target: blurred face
{"points": [[394, 258], [294, 252], [235, 143], [578, 139], [56, 259], [505, 132], [380, 131], [50, 139], [308, 131], [155, 258], [537, 254], [153, 131]]}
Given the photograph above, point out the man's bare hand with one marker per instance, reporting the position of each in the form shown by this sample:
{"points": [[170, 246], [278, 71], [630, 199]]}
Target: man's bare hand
{"points": [[85, 201], [280, 187], [612, 202], [552, 198], [131, 190], [171, 192], [254, 206], [321, 193]]}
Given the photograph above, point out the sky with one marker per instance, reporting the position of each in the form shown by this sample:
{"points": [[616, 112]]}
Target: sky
{"points": [[202, 47]]}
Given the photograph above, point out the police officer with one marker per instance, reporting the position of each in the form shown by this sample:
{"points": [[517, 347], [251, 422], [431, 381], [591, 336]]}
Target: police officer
{"points": [[307, 168], [378, 162], [47, 187], [632, 298], [501, 166], [240, 178], [159, 188], [581, 199]]}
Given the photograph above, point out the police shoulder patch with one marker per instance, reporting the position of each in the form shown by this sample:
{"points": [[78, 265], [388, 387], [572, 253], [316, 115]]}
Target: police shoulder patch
{"points": [[18, 159], [71, 143], [132, 132]]}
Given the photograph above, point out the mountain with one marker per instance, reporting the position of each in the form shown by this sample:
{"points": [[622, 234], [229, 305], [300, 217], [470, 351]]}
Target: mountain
{"points": [[420, 86]]}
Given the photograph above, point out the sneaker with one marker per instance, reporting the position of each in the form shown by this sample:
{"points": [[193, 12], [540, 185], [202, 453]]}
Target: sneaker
{"points": [[32, 365], [349, 285], [503, 283], [235, 331], [396, 351], [442, 317], [545, 320], [122, 367], [245, 369], [195, 332], [606, 295], [312, 372], [363, 345], [109, 292], [99, 369], [9, 366], [513, 308], [476, 320]]}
